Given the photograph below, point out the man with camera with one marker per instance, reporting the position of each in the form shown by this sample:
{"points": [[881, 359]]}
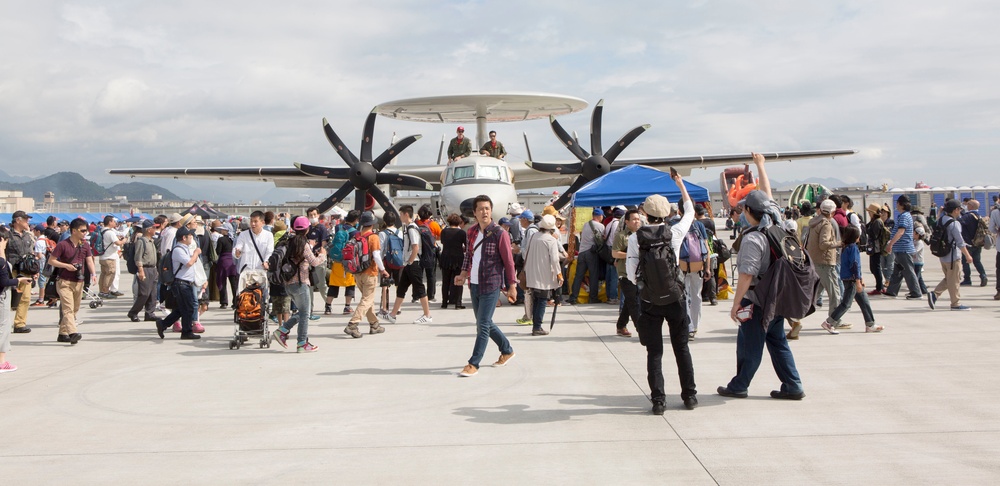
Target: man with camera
{"points": [[20, 254], [69, 258]]}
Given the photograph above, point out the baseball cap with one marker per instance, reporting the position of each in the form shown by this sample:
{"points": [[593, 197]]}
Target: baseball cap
{"points": [[183, 231], [367, 219], [146, 224], [656, 206], [527, 214], [755, 201], [598, 212], [300, 223], [950, 205], [827, 206], [504, 220], [461, 129], [19, 214]]}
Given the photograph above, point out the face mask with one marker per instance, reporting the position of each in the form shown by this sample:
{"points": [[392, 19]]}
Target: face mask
{"points": [[314, 220]]}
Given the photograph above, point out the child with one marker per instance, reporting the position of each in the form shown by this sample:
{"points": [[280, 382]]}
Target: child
{"points": [[854, 287]]}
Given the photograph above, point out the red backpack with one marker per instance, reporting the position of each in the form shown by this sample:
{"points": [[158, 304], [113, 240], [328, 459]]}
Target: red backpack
{"points": [[357, 256]]}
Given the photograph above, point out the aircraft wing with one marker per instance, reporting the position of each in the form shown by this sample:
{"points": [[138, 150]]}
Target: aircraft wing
{"points": [[536, 174], [279, 176]]}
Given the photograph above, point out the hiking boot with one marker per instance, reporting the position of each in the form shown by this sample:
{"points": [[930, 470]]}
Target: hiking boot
{"points": [[376, 329], [539, 332], [503, 359], [524, 321], [468, 371], [306, 348], [281, 337], [352, 330]]}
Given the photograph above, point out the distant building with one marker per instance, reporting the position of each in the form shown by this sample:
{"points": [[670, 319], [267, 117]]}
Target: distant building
{"points": [[11, 201]]}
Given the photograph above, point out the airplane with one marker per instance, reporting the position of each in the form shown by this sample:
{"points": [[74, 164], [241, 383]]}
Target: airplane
{"points": [[460, 181]]}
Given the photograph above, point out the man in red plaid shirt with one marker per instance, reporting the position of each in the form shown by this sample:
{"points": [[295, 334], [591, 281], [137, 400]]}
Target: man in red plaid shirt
{"points": [[488, 265]]}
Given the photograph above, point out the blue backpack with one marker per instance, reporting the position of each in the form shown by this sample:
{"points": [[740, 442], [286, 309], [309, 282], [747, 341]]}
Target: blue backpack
{"points": [[344, 233], [392, 253]]}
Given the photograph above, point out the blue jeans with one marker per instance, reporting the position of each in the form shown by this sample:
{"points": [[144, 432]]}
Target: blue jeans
{"points": [[483, 306], [540, 299], [902, 269], [611, 279], [185, 305], [851, 294], [886, 262], [919, 269], [587, 262], [301, 295], [750, 341], [977, 261]]}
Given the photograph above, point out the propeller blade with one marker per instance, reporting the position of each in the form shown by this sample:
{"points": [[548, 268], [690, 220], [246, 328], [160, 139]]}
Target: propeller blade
{"points": [[551, 168], [330, 172], [595, 129], [338, 144], [565, 197], [335, 198], [359, 200], [567, 140], [623, 142], [384, 201], [366, 137], [393, 151], [403, 180]]}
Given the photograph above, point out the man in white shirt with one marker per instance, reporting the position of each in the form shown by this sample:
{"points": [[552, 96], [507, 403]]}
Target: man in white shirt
{"points": [[252, 249], [166, 241], [109, 259]]}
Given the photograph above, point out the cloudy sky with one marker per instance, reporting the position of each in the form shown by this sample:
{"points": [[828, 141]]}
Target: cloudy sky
{"points": [[88, 85]]}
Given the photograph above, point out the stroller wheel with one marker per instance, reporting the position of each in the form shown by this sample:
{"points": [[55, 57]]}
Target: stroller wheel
{"points": [[93, 305], [232, 344]]}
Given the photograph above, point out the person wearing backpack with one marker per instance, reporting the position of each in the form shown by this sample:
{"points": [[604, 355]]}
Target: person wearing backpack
{"points": [[974, 230], [854, 286], [428, 259], [651, 264], [753, 260], [952, 235], [390, 240], [693, 261], [367, 280], [412, 273], [300, 254], [587, 260], [339, 277], [146, 275], [20, 252]]}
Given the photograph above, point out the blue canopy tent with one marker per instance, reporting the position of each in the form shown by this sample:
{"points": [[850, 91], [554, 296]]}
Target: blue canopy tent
{"points": [[630, 186]]}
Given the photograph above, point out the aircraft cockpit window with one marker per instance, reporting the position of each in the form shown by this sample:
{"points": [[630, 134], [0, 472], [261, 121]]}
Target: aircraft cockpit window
{"points": [[492, 173], [467, 172]]}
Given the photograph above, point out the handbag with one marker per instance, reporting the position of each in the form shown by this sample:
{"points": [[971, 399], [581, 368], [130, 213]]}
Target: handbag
{"points": [[601, 247]]}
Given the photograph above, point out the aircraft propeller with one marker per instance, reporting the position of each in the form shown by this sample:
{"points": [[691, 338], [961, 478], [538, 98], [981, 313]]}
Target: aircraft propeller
{"points": [[365, 173], [592, 165]]}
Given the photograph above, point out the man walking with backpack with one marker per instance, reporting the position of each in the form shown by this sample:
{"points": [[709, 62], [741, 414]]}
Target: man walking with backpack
{"points": [[367, 280], [974, 230], [652, 265], [338, 276], [412, 273], [754, 258], [948, 236]]}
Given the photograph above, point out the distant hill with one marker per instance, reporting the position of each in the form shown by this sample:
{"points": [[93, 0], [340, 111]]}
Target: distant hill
{"points": [[5, 177], [70, 185]]}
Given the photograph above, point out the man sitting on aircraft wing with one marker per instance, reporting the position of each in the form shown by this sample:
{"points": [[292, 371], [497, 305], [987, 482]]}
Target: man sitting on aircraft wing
{"points": [[459, 146], [493, 148]]}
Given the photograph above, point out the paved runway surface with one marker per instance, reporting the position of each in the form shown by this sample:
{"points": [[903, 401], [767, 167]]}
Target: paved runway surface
{"points": [[916, 404]]}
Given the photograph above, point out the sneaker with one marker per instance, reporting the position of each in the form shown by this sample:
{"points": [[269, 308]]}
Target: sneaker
{"points": [[347, 310], [306, 348], [314, 317], [843, 325], [624, 332], [281, 337], [612, 302], [7, 367], [177, 327], [724, 391], [829, 328], [22, 330], [876, 292], [352, 330], [468, 371], [914, 297], [539, 332], [659, 407], [932, 299], [783, 395], [961, 308], [197, 328], [524, 321], [389, 318], [423, 320], [327, 310], [117, 293], [503, 359], [691, 335], [794, 333], [874, 328], [888, 295], [36, 303], [376, 329]]}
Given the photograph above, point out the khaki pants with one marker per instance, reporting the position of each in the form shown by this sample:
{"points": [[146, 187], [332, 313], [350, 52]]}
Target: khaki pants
{"points": [[108, 268], [21, 313], [952, 277], [367, 284], [69, 304]]}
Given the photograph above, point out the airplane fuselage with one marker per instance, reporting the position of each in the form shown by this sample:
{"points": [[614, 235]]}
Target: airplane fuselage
{"points": [[471, 176]]}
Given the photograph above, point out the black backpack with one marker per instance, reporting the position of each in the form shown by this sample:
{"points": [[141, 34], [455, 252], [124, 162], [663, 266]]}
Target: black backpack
{"points": [[658, 277], [166, 269], [790, 266], [280, 267], [940, 244], [128, 251], [427, 255]]}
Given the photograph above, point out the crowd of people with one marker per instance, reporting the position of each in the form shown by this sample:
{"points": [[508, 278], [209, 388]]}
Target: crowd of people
{"points": [[658, 262]]}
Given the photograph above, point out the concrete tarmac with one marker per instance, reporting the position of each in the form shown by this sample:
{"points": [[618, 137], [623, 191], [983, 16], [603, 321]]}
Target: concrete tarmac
{"points": [[916, 404]]}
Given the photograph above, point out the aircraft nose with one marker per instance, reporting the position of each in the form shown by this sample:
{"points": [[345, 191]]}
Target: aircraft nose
{"points": [[468, 210]]}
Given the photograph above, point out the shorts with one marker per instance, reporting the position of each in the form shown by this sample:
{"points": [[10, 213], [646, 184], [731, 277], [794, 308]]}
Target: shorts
{"points": [[411, 274], [281, 304], [335, 292]]}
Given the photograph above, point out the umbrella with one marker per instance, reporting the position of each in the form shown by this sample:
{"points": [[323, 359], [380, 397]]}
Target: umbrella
{"points": [[557, 300]]}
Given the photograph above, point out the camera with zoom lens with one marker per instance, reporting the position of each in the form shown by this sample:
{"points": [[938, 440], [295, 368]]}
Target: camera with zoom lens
{"points": [[79, 271], [387, 281]]}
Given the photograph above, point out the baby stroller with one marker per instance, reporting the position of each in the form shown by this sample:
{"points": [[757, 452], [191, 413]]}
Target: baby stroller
{"points": [[250, 317], [94, 298]]}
